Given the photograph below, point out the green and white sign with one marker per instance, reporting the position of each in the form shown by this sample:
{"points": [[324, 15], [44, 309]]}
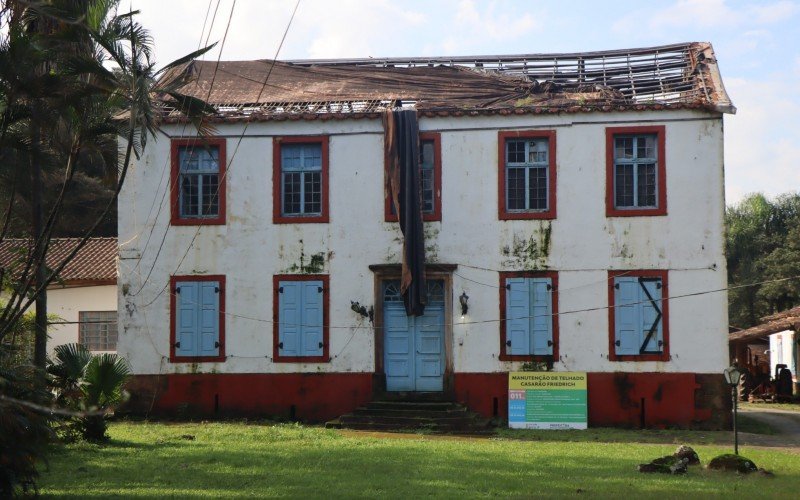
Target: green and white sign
{"points": [[547, 400]]}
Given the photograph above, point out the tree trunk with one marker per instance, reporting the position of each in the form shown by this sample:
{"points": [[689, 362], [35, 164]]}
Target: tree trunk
{"points": [[37, 224]]}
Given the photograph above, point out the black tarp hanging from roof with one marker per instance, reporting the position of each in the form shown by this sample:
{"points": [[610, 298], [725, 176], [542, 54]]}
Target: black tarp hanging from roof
{"points": [[401, 150]]}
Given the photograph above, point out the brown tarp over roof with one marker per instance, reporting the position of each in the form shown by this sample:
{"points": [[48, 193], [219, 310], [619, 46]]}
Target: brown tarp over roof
{"points": [[774, 323], [670, 76]]}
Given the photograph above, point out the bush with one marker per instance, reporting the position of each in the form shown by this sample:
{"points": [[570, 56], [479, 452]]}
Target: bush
{"points": [[17, 346], [88, 383], [25, 428]]}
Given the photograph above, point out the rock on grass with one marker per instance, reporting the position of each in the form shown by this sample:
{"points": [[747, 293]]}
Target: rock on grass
{"points": [[666, 465], [688, 453], [735, 463]]}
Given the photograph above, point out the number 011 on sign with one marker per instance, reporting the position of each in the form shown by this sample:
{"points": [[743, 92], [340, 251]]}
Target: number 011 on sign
{"points": [[547, 400]]}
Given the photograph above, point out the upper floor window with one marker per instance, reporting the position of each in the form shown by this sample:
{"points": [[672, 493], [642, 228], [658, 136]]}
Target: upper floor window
{"points": [[636, 180], [528, 315], [198, 176], [638, 316], [430, 168], [301, 179], [527, 175]]}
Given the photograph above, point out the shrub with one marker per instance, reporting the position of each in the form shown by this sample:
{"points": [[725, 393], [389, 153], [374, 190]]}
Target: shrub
{"points": [[25, 428], [88, 383]]}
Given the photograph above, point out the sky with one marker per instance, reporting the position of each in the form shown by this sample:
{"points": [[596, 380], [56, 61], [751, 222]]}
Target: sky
{"points": [[757, 44]]}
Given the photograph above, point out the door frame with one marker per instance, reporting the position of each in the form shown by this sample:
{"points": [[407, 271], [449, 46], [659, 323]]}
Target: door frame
{"points": [[385, 272]]}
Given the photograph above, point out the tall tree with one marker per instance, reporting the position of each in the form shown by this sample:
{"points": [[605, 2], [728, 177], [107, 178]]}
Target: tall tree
{"points": [[75, 75], [762, 244]]}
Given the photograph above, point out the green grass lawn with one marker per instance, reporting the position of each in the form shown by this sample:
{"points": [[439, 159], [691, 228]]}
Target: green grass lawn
{"points": [[773, 406], [229, 460], [749, 424]]}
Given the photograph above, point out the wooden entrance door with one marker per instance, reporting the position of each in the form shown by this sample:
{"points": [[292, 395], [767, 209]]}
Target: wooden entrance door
{"points": [[414, 346]]}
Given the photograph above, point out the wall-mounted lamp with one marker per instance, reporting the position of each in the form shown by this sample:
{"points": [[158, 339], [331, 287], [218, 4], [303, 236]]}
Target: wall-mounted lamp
{"points": [[463, 299]]}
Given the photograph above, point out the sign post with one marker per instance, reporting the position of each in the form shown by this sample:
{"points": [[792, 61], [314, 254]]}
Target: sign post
{"points": [[547, 400]]}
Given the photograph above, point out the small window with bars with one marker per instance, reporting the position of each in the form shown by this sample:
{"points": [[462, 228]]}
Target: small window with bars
{"points": [[199, 181], [636, 171], [526, 169], [98, 330], [301, 179]]}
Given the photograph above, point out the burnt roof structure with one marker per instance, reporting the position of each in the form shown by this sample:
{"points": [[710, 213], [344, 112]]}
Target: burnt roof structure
{"points": [[679, 76]]}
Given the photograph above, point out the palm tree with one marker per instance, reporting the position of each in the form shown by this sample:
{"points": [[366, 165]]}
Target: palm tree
{"points": [[90, 383], [74, 77]]}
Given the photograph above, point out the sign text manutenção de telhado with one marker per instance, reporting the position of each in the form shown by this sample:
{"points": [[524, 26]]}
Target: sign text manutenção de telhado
{"points": [[547, 400]]}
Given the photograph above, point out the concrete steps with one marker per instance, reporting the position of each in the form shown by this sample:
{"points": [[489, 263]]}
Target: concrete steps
{"points": [[433, 416]]}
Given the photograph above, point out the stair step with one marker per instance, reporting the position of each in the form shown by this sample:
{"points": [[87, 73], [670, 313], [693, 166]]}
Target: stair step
{"points": [[410, 421], [408, 412], [399, 415], [375, 426], [415, 405]]}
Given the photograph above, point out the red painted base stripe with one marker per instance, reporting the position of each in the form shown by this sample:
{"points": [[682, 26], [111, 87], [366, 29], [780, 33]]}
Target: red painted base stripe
{"points": [[615, 399]]}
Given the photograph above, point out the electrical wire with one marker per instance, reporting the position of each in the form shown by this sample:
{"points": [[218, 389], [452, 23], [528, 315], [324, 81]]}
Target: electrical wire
{"points": [[230, 163], [500, 320], [174, 185]]}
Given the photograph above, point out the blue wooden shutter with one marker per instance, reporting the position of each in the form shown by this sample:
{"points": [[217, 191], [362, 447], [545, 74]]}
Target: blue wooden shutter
{"points": [[542, 319], [312, 318], [627, 316], [518, 316], [209, 318], [650, 316], [187, 329], [289, 317]]}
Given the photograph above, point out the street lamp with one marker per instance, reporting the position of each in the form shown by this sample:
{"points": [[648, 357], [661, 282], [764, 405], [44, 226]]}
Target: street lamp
{"points": [[732, 376]]}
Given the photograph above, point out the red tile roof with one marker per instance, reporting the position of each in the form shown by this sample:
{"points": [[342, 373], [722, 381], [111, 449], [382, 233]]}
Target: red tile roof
{"points": [[774, 323], [95, 262]]}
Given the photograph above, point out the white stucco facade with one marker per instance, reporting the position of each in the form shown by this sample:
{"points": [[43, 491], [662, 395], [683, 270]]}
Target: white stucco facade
{"points": [[67, 302], [582, 246], [783, 350]]}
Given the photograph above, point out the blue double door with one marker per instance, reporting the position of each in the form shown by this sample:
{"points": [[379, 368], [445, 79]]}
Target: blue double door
{"points": [[414, 346]]}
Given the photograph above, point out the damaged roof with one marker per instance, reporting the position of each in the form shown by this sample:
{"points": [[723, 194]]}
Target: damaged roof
{"points": [[95, 263], [679, 76], [774, 323]]}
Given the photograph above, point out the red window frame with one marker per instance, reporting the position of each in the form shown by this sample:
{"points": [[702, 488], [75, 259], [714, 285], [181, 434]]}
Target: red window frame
{"points": [[276, 357], [175, 212], [436, 215], [661, 174], [639, 273], [503, 213], [277, 206], [173, 318], [553, 275]]}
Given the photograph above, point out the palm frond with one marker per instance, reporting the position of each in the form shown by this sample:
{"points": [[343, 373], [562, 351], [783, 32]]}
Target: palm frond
{"points": [[105, 375], [185, 59]]}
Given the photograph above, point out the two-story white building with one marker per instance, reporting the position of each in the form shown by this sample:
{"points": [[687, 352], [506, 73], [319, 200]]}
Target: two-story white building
{"points": [[573, 213]]}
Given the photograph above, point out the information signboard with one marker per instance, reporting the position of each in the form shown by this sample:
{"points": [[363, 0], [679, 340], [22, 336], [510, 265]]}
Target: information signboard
{"points": [[547, 400]]}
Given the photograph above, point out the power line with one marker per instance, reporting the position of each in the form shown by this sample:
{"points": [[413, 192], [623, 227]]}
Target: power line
{"points": [[137, 266], [164, 170], [500, 320], [230, 164], [173, 185]]}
